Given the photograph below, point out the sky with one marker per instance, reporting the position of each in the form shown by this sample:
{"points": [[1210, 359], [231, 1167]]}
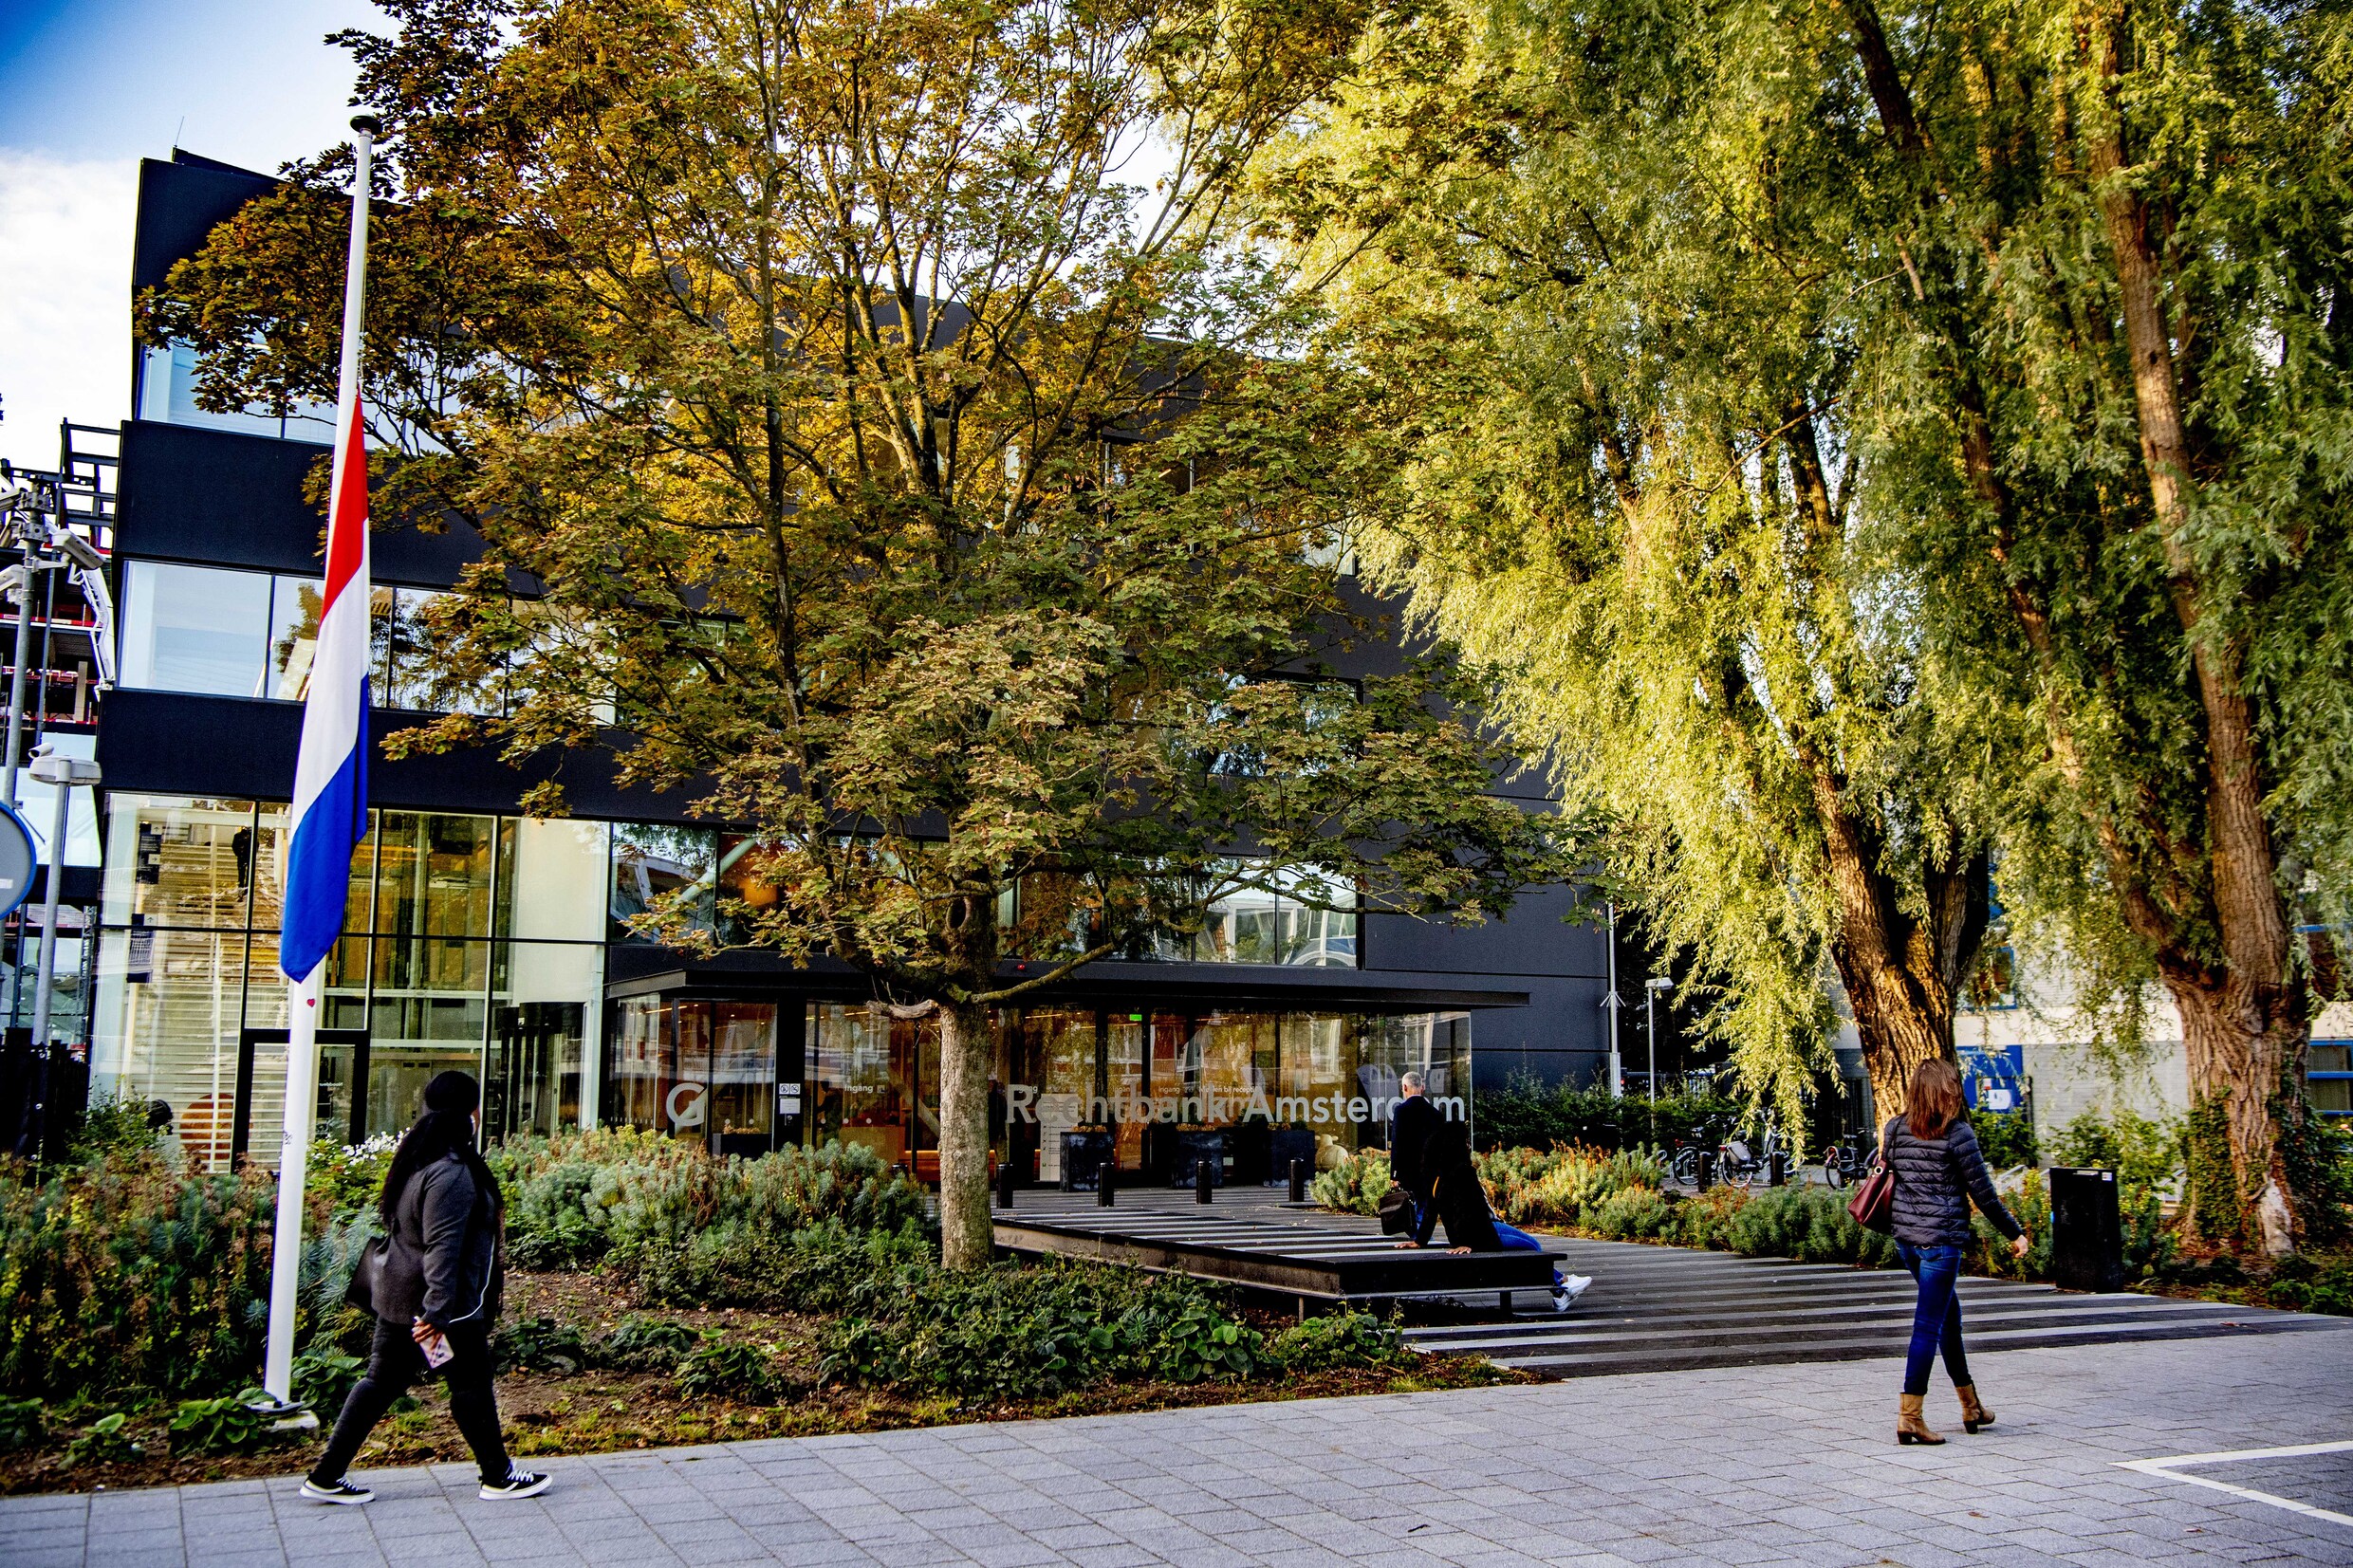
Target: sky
{"points": [[87, 88]]}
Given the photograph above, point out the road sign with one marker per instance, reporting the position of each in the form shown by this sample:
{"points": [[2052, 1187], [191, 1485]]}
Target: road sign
{"points": [[18, 857]]}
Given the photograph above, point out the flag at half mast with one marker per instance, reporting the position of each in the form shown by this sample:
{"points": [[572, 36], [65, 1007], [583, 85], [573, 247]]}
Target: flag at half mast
{"points": [[330, 774]]}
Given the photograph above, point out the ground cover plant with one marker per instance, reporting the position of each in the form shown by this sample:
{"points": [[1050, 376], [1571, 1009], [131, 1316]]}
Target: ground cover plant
{"points": [[671, 1298]]}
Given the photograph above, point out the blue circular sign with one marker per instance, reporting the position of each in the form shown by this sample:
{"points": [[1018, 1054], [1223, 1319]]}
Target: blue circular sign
{"points": [[19, 856]]}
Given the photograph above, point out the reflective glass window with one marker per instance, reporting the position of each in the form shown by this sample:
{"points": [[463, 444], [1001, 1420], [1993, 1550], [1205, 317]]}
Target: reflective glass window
{"points": [[194, 629], [653, 862]]}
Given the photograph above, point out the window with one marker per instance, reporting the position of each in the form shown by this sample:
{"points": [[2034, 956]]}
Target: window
{"points": [[230, 633], [2328, 1076], [1301, 919], [167, 393]]}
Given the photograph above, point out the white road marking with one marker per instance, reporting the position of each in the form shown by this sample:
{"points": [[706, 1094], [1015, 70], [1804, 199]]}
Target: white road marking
{"points": [[2174, 1469]]}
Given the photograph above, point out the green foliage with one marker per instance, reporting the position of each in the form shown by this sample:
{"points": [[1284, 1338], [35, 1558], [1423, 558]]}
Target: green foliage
{"points": [[1010, 1331], [329, 1257], [1560, 1187], [2316, 1154], [1808, 1223], [2029, 1201], [2302, 1284], [349, 1178], [1355, 1184], [1525, 1114], [2216, 1204], [103, 1442], [731, 1368], [325, 1376], [539, 1344], [222, 1426], [1338, 1339], [1637, 1213], [111, 1127], [22, 1424], [2145, 1155], [642, 1343], [2008, 1141], [128, 1274], [688, 1227]]}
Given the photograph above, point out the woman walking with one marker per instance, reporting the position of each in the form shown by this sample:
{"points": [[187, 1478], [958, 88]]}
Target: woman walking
{"points": [[437, 1295], [1939, 1170]]}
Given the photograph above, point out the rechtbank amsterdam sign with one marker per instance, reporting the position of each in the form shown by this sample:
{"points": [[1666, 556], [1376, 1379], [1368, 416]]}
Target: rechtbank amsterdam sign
{"points": [[1023, 1101]]}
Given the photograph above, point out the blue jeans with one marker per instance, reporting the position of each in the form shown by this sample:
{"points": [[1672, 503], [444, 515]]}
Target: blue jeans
{"points": [[1516, 1240], [1937, 1319]]}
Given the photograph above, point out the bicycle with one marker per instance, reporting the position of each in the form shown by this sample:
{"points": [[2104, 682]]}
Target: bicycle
{"points": [[1845, 1160]]}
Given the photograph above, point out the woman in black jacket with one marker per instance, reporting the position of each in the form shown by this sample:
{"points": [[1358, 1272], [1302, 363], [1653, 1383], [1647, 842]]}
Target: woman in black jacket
{"points": [[1939, 1170], [437, 1295]]}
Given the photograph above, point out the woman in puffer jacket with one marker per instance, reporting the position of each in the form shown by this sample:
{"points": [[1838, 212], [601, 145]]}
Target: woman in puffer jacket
{"points": [[437, 1296], [1939, 1170]]}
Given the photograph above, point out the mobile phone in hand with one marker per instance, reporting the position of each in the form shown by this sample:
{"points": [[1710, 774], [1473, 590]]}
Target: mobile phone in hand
{"points": [[436, 1349]]}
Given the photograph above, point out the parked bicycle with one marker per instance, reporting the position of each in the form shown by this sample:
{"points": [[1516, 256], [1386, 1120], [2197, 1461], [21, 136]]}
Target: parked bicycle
{"points": [[1844, 1161]]}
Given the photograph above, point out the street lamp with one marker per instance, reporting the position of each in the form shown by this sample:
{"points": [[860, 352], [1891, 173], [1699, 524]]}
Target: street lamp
{"points": [[1654, 988], [62, 774]]}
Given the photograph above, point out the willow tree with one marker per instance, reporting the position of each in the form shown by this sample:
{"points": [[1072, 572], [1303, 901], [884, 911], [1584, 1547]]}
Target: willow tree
{"points": [[855, 449], [1624, 389], [2062, 290]]}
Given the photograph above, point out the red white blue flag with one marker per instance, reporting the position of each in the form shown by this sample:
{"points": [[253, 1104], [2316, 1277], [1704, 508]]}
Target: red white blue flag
{"points": [[330, 776]]}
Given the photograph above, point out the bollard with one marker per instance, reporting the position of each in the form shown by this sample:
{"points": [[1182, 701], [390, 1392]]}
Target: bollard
{"points": [[1204, 1177], [1707, 1169], [1005, 1185], [1777, 1168], [1105, 1179], [1299, 1181]]}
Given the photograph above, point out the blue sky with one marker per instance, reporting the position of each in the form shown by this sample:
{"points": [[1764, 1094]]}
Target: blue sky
{"points": [[87, 89]]}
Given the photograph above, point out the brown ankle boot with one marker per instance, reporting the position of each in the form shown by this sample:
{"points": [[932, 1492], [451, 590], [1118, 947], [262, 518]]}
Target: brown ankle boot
{"points": [[1911, 1426], [1974, 1414]]}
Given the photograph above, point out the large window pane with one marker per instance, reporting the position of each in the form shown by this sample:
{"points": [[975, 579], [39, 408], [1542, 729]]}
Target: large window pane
{"points": [[177, 861], [534, 1081], [433, 882], [862, 1071], [294, 606], [166, 1027], [194, 629], [552, 880], [652, 860]]}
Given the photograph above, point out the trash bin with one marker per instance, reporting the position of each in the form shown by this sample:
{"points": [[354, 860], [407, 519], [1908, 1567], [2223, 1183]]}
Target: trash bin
{"points": [[2087, 1229]]}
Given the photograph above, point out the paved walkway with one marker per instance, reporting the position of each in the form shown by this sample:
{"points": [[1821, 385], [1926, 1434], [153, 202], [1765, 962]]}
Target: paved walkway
{"points": [[1736, 1466]]}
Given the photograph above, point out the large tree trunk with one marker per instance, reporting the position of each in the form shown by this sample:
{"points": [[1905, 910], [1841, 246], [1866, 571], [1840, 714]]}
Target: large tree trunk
{"points": [[1902, 975], [2243, 1020], [967, 1048]]}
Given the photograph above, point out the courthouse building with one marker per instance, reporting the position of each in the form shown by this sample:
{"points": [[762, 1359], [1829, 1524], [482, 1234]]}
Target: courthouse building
{"points": [[485, 939]]}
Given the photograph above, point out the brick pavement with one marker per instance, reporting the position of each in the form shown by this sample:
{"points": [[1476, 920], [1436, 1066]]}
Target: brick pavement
{"points": [[1736, 1466]]}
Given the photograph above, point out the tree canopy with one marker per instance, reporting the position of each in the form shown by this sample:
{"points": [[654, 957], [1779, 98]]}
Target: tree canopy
{"points": [[856, 445]]}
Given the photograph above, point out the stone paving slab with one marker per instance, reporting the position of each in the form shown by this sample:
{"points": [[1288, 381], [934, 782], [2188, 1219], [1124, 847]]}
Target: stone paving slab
{"points": [[1750, 1465]]}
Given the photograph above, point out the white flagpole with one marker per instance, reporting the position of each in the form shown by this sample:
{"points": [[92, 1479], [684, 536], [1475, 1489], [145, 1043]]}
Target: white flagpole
{"points": [[302, 996]]}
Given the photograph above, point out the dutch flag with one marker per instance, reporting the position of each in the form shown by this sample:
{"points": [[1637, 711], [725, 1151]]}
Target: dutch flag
{"points": [[330, 774]]}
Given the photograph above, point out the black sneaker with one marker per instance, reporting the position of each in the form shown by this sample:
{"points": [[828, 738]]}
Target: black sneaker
{"points": [[518, 1484], [341, 1492]]}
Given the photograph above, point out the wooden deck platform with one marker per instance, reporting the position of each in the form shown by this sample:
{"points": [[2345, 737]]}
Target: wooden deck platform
{"points": [[1263, 1249]]}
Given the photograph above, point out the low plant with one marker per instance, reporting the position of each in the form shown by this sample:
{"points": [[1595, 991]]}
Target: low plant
{"points": [[349, 1177], [2145, 1155], [115, 1126], [22, 1425], [2006, 1139], [104, 1442], [1336, 1340], [223, 1426], [1355, 1184], [539, 1344], [1635, 1214], [732, 1369], [1807, 1224], [642, 1344], [2027, 1198], [1528, 1114], [325, 1376], [1560, 1186]]}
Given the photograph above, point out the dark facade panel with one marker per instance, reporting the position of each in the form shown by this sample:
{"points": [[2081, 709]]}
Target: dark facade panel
{"points": [[179, 203], [223, 498], [1532, 940]]}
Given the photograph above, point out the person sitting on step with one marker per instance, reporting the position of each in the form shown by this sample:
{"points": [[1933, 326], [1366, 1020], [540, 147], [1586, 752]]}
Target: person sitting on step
{"points": [[1458, 1200]]}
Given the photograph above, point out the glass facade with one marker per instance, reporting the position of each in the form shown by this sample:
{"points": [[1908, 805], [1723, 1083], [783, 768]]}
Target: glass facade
{"points": [[472, 942], [481, 942], [230, 633], [1140, 1076]]}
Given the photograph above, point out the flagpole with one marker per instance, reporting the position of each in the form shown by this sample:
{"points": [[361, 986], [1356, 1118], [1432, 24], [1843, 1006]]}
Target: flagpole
{"points": [[302, 996]]}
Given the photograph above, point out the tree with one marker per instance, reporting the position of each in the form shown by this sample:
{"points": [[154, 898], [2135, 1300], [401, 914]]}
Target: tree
{"points": [[882, 467], [1586, 274], [2087, 263]]}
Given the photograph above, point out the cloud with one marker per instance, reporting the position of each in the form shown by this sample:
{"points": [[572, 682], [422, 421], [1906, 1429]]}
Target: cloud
{"points": [[64, 298]]}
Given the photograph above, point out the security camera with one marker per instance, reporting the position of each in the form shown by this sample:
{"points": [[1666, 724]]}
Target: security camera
{"points": [[74, 548]]}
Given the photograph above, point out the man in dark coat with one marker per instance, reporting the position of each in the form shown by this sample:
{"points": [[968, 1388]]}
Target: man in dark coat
{"points": [[1411, 1122]]}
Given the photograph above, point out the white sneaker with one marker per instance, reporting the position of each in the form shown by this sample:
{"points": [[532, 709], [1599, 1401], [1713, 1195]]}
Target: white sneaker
{"points": [[518, 1484], [342, 1492], [1570, 1291]]}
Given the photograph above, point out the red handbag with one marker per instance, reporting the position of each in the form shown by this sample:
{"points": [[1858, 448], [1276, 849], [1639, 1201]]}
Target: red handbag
{"points": [[1873, 1203]]}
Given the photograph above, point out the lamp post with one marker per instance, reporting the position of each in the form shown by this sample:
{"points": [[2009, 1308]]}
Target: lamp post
{"points": [[1614, 1002], [63, 774], [1653, 988]]}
